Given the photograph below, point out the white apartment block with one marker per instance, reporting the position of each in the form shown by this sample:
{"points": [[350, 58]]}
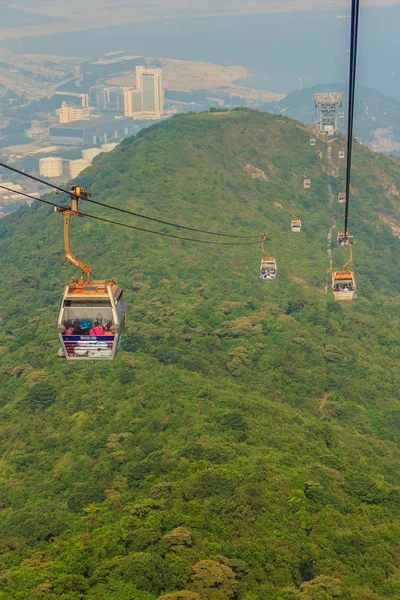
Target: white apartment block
{"points": [[67, 114]]}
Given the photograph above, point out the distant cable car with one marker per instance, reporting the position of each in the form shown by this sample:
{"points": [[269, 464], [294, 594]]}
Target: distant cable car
{"points": [[295, 225], [268, 268], [342, 198], [343, 285], [342, 154], [313, 141], [343, 282], [343, 238], [307, 184], [91, 317], [341, 115]]}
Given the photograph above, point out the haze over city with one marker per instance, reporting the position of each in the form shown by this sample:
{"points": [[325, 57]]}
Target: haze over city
{"points": [[56, 69]]}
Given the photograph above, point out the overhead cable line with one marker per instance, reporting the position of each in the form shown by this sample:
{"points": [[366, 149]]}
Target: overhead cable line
{"points": [[123, 210], [355, 11], [170, 235]]}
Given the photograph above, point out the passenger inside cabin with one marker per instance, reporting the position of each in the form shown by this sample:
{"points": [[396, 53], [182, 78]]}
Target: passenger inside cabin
{"points": [[85, 323], [77, 329], [68, 327], [97, 329], [343, 287], [107, 330]]}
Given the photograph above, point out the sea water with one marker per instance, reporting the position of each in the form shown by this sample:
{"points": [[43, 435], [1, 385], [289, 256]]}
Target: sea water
{"points": [[276, 48]]}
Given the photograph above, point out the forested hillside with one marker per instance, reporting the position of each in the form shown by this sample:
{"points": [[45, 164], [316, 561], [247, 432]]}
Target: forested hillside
{"points": [[245, 444]]}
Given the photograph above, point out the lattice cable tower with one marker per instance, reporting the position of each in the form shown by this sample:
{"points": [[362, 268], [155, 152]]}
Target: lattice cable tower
{"points": [[328, 106]]}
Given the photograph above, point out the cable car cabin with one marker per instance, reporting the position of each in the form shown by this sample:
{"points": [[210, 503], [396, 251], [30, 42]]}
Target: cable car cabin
{"points": [[341, 115], [342, 198], [342, 239], [313, 141], [342, 153], [91, 320], [296, 225], [343, 285], [268, 268], [307, 184]]}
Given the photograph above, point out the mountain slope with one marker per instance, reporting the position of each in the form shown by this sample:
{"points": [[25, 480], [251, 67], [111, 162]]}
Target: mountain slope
{"points": [[245, 444]]}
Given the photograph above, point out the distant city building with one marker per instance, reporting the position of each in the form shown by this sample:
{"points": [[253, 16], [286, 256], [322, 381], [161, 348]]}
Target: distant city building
{"points": [[149, 83], [84, 98], [146, 101], [15, 187], [67, 114], [36, 132], [98, 97], [90, 133], [115, 100], [107, 99], [132, 101]]}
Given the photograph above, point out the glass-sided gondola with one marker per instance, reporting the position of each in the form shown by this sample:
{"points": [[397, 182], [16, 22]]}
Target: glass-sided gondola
{"points": [[343, 239], [343, 282], [91, 317], [295, 224], [343, 285], [268, 268], [91, 320], [306, 183]]}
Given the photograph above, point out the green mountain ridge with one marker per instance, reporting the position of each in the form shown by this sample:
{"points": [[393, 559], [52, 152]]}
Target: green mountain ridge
{"points": [[245, 443]]}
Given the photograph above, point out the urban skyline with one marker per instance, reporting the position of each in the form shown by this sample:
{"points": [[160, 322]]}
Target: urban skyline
{"points": [[145, 101]]}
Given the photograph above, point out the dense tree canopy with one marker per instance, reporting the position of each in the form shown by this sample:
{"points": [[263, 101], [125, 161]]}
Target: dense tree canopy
{"points": [[245, 443]]}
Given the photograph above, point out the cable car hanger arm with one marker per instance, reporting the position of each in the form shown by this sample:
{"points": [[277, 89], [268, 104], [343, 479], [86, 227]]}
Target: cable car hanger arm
{"points": [[264, 237], [68, 253], [350, 244], [68, 212]]}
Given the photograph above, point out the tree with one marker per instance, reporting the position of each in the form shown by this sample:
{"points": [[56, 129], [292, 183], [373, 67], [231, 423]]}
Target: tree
{"points": [[213, 581], [323, 587], [182, 595], [42, 395]]}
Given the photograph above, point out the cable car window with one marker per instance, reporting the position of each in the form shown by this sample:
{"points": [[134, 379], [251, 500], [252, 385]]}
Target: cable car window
{"points": [[88, 302], [87, 321], [343, 285], [120, 309]]}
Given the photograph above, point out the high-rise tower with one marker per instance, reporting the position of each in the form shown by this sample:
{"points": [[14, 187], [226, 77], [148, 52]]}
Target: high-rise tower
{"points": [[149, 82]]}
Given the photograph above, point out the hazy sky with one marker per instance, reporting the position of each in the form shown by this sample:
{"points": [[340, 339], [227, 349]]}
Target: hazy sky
{"points": [[59, 16]]}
